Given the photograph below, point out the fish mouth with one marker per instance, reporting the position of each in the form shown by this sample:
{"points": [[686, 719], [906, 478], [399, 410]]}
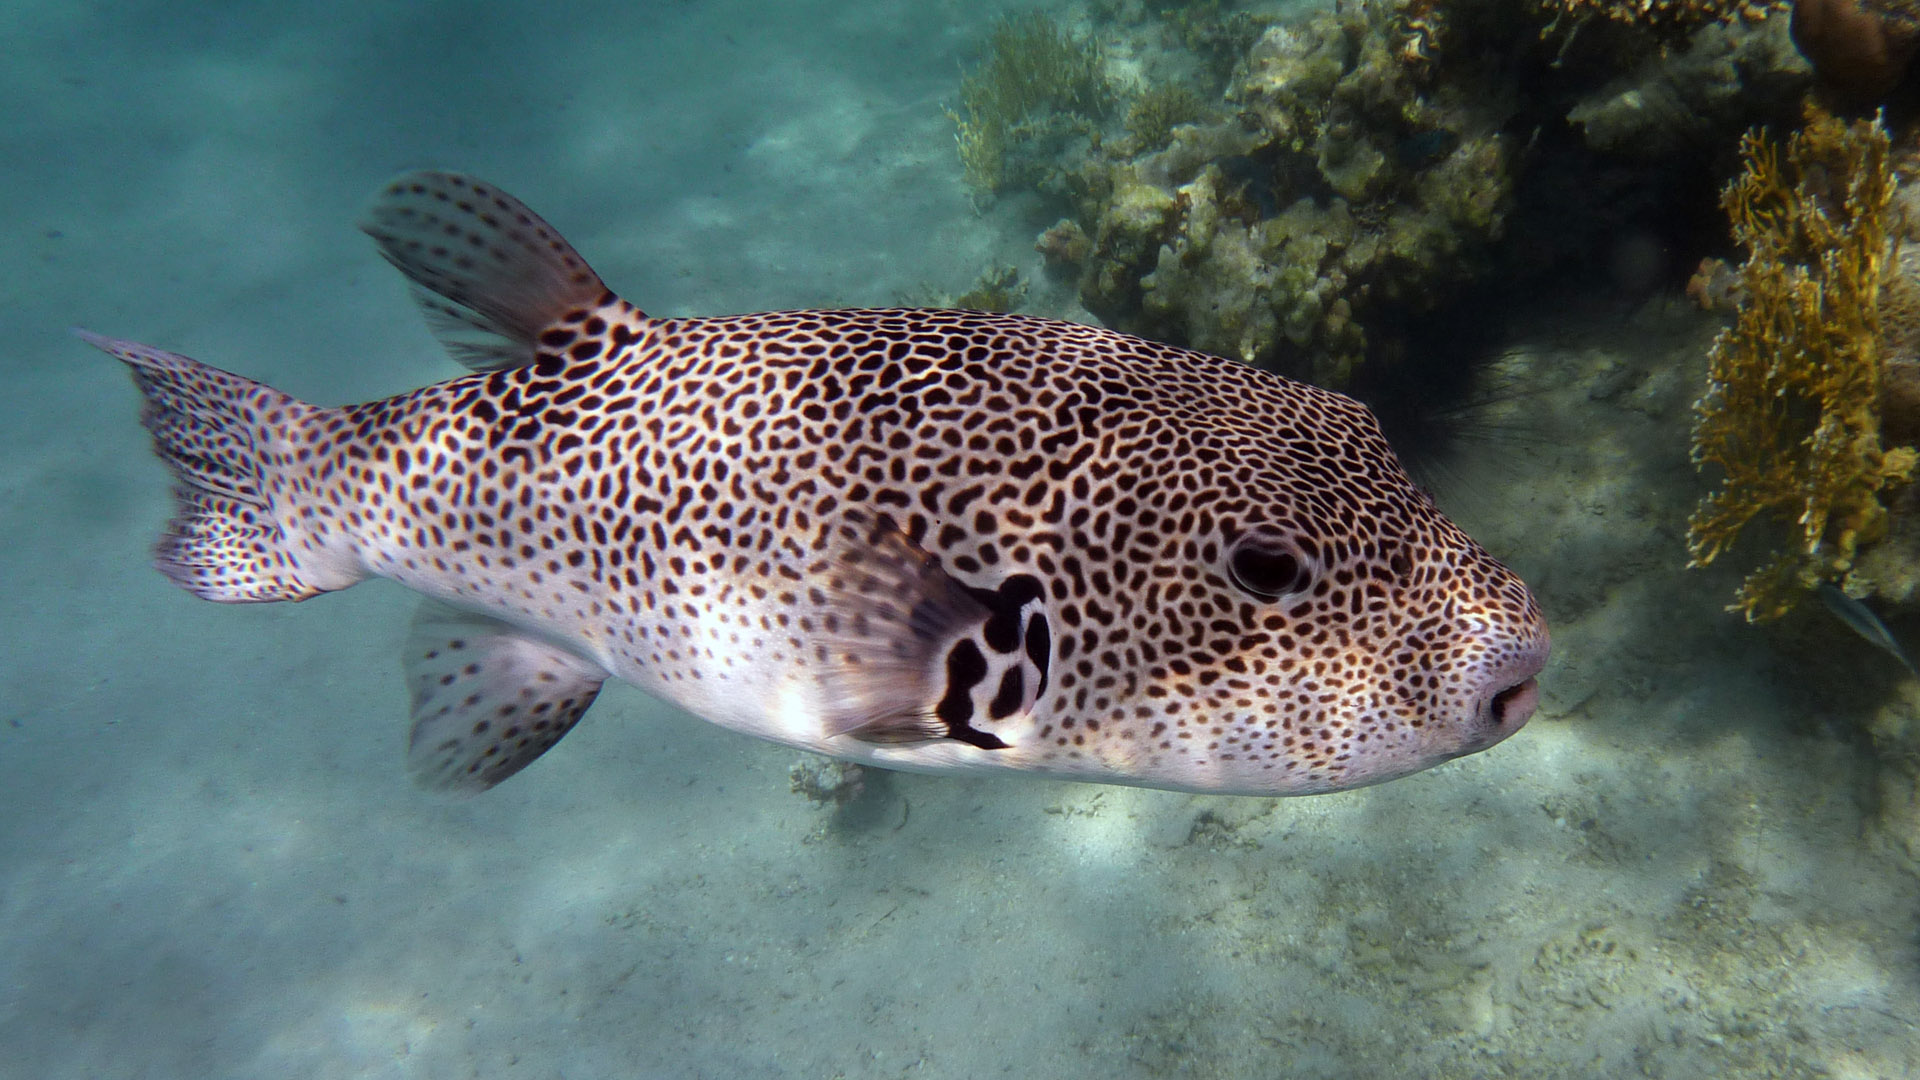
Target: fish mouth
{"points": [[1512, 707], [1502, 713]]}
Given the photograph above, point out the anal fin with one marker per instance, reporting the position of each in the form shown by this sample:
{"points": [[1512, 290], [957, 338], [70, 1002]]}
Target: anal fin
{"points": [[488, 698]]}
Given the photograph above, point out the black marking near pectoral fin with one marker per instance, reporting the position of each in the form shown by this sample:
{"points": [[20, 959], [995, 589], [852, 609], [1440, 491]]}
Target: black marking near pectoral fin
{"points": [[490, 275], [487, 698], [967, 668], [1039, 642]]}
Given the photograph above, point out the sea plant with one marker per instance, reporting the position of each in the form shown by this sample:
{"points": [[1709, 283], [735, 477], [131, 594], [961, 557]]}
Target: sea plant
{"points": [[1158, 110], [1033, 76], [1790, 415]]}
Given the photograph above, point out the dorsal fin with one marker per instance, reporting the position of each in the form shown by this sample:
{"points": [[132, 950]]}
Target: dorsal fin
{"points": [[488, 272]]}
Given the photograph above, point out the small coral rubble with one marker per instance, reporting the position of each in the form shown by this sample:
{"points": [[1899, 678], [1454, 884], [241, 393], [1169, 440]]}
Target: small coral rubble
{"points": [[1791, 409]]}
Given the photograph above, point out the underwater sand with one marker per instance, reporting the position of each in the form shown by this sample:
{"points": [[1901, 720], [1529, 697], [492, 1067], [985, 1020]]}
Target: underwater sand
{"points": [[212, 863]]}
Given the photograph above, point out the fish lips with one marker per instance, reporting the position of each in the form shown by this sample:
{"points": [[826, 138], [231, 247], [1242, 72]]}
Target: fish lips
{"points": [[1509, 701]]}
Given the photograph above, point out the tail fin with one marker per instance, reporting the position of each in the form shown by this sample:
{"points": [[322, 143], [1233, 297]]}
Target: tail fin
{"points": [[216, 432]]}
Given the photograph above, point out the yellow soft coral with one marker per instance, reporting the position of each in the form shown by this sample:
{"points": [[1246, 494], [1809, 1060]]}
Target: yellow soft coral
{"points": [[1790, 408]]}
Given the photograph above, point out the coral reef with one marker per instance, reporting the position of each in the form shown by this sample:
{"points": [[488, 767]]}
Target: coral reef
{"points": [[1353, 173], [1034, 85], [1791, 412], [1347, 182], [1320, 195]]}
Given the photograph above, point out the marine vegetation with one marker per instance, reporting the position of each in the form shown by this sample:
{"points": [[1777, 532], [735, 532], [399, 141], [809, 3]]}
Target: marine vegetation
{"points": [[1034, 81], [1153, 115], [1791, 412]]}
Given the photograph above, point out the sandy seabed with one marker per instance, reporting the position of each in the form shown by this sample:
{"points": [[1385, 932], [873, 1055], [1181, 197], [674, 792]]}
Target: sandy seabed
{"points": [[212, 863]]}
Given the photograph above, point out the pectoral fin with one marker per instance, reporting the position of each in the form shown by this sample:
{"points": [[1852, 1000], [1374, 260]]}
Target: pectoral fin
{"points": [[895, 614]]}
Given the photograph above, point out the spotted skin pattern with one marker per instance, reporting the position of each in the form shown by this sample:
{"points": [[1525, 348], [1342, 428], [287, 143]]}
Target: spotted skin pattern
{"points": [[939, 540]]}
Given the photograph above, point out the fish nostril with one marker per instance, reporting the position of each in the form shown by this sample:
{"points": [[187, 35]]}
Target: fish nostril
{"points": [[1514, 705]]}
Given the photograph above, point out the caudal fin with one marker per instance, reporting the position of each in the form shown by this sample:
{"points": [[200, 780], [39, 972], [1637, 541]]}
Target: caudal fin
{"points": [[218, 433]]}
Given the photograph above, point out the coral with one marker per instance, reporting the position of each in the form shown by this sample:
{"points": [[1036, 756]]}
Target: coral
{"points": [[1715, 286], [1354, 172], [1065, 244], [1861, 49], [1791, 410], [1349, 188], [827, 780], [1034, 80], [1724, 74], [998, 289]]}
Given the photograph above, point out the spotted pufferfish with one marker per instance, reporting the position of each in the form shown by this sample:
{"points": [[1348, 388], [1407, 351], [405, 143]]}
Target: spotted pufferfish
{"points": [[936, 540]]}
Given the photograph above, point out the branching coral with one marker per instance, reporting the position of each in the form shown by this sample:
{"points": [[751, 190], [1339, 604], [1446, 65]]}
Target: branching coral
{"points": [[1790, 413], [1033, 75]]}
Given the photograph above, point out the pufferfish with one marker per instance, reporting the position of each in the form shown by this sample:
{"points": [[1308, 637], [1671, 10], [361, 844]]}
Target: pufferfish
{"points": [[935, 540]]}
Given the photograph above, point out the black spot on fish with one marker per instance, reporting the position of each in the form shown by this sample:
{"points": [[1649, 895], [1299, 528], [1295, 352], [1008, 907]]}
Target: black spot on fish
{"points": [[965, 669], [1011, 695]]}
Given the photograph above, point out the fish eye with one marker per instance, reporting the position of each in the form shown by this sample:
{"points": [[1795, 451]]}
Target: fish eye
{"points": [[1269, 566]]}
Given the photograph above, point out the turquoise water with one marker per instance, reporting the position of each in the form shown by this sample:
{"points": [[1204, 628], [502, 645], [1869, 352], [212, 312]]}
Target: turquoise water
{"points": [[212, 863]]}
